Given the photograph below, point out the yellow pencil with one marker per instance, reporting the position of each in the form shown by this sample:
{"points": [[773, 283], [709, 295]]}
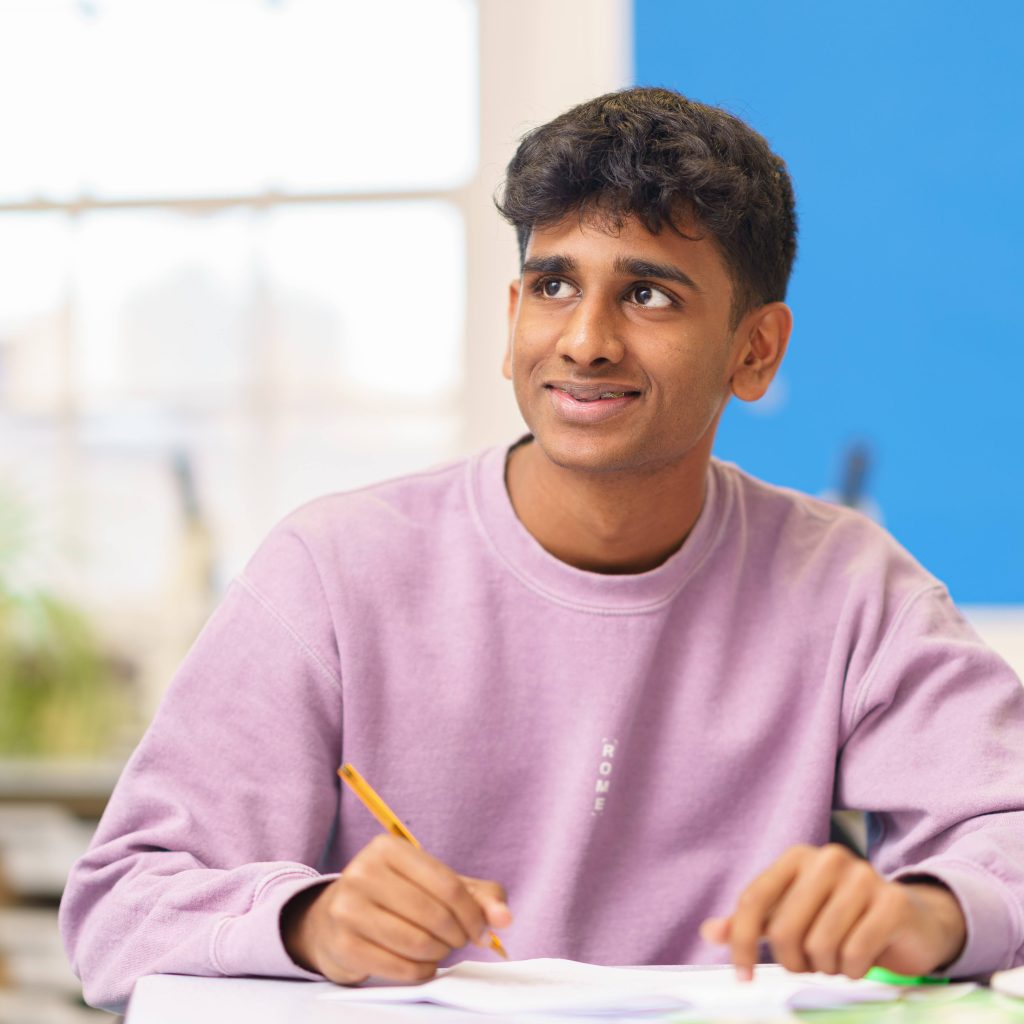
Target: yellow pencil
{"points": [[387, 817]]}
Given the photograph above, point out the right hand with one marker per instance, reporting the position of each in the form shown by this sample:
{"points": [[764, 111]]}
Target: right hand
{"points": [[395, 912]]}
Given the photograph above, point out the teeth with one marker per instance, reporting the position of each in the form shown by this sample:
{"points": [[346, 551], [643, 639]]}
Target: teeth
{"points": [[603, 394]]}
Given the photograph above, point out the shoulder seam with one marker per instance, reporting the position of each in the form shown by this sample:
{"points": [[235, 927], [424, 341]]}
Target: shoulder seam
{"points": [[883, 648], [265, 603]]}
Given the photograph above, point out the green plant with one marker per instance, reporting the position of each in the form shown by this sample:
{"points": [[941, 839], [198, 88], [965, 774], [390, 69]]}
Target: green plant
{"points": [[59, 695]]}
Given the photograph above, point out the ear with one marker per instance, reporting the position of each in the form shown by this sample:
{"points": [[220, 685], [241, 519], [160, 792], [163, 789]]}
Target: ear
{"points": [[513, 307], [764, 334]]}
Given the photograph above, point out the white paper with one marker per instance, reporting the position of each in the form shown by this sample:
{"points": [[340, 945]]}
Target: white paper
{"points": [[569, 987], [1010, 983]]}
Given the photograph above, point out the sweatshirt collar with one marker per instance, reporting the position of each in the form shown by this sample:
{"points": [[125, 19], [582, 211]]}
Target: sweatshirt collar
{"points": [[600, 593]]}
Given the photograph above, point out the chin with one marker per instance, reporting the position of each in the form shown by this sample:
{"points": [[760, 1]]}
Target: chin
{"points": [[592, 455]]}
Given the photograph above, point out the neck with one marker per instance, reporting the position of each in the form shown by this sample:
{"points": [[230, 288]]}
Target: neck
{"points": [[606, 522]]}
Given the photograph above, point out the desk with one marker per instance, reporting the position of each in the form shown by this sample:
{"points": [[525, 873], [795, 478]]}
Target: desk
{"points": [[175, 999]]}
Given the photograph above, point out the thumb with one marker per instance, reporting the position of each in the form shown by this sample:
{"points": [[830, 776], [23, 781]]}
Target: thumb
{"points": [[493, 900]]}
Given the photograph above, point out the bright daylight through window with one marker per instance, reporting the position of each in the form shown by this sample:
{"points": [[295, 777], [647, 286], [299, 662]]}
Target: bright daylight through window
{"points": [[230, 285]]}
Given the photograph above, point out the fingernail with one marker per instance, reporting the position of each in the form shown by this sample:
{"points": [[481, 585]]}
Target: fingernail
{"points": [[744, 973]]}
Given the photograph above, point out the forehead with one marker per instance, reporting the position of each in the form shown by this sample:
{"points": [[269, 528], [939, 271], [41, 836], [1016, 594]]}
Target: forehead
{"points": [[596, 244]]}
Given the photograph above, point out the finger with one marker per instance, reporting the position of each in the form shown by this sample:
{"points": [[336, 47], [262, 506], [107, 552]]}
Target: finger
{"points": [[388, 889], [400, 936], [797, 910], [492, 898], [438, 881], [715, 930], [352, 958], [753, 907], [833, 925], [876, 929]]}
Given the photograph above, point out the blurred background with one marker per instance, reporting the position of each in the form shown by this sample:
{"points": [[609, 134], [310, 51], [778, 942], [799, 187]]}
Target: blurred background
{"points": [[248, 256]]}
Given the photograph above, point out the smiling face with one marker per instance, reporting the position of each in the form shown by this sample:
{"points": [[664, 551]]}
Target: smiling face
{"points": [[621, 348]]}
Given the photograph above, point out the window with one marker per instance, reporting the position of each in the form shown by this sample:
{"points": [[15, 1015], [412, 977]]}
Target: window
{"points": [[232, 249]]}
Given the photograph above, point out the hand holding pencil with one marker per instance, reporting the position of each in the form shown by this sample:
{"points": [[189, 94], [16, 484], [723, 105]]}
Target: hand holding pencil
{"points": [[395, 912], [392, 823]]}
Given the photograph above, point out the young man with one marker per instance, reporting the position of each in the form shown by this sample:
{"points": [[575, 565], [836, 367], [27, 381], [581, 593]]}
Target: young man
{"points": [[609, 682]]}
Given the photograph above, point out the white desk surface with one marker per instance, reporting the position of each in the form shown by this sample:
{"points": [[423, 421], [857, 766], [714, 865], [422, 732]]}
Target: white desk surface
{"points": [[177, 999], [180, 999]]}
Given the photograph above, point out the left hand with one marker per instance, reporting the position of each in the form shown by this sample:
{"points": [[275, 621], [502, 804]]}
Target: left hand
{"points": [[825, 909]]}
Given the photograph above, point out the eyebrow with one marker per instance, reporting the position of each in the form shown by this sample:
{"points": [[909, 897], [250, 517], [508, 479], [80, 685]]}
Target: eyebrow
{"points": [[549, 265], [645, 268], [627, 265]]}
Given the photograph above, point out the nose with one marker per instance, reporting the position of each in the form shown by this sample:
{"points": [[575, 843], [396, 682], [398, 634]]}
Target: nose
{"points": [[590, 337]]}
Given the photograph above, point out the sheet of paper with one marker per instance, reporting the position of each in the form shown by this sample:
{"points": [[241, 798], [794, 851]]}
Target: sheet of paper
{"points": [[569, 987], [1010, 983]]}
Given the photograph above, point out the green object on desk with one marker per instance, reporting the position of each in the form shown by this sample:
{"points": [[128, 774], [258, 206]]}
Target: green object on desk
{"points": [[982, 1006], [892, 978]]}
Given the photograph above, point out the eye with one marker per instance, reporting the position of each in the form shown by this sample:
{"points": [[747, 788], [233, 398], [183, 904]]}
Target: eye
{"points": [[649, 297], [555, 288]]}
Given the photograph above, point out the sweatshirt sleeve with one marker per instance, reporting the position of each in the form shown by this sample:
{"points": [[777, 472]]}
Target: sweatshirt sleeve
{"points": [[933, 754], [225, 809]]}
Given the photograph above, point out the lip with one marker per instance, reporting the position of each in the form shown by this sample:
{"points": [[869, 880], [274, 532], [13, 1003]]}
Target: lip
{"points": [[584, 392], [573, 403]]}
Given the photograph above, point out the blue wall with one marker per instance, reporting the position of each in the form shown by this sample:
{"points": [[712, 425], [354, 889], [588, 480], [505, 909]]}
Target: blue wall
{"points": [[903, 127]]}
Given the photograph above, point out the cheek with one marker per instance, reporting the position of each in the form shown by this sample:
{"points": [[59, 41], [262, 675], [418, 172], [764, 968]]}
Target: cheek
{"points": [[519, 365], [694, 390], [527, 349]]}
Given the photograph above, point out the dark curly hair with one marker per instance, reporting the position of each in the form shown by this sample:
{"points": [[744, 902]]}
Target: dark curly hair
{"points": [[654, 155]]}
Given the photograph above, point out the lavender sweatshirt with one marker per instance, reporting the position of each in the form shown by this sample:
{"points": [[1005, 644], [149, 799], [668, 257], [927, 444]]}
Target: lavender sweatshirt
{"points": [[624, 753]]}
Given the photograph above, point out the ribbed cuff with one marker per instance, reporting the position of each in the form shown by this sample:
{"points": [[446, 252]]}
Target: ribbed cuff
{"points": [[251, 943], [987, 910]]}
